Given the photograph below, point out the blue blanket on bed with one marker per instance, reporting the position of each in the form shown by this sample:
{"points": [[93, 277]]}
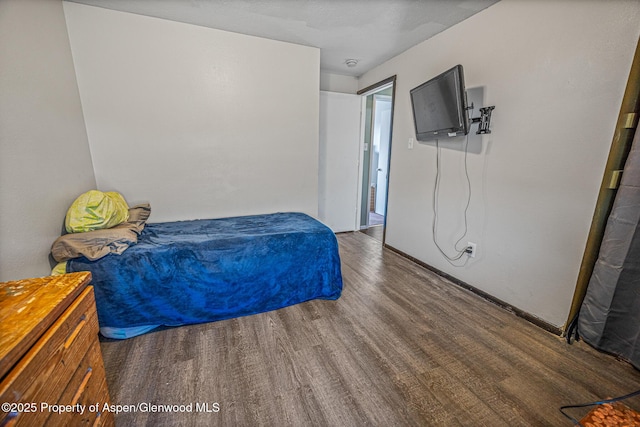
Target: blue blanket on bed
{"points": [[204, 270]]}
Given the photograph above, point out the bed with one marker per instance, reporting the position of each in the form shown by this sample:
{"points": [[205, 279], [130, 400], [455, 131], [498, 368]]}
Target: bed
{"points": [[189, 272]]}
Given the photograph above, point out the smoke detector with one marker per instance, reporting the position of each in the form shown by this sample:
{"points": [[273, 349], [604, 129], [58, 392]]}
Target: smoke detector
{"points": [[351, 62]]}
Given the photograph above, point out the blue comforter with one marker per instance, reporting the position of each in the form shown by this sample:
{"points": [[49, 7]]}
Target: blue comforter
{"points": [[204, 270]]}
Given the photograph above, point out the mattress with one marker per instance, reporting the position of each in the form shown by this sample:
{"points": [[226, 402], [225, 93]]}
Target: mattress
{"points": [[199, 271]]}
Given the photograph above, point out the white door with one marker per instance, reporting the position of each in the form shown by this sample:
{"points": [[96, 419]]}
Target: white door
{"points": [[338, 178]]}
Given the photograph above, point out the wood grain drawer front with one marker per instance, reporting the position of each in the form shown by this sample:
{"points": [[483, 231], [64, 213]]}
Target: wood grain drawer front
{"points": [[44, 372], [87, 387]]}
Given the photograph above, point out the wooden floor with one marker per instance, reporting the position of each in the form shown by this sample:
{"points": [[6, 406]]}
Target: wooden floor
{"points": [[376, 232], [400, 347]]}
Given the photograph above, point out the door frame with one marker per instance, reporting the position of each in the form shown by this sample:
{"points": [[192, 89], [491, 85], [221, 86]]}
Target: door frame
{"points": [[369, 90]]}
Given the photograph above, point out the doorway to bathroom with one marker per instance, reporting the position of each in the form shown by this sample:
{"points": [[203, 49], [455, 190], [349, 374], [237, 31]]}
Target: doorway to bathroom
{"points": [[378, 119]]}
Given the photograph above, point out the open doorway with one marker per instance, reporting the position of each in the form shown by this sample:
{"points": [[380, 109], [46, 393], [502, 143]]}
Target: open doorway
{"points": [[376, 151]]}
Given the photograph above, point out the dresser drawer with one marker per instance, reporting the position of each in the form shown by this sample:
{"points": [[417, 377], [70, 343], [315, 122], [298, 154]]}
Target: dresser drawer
{"points": [[46, 369], [88, 389]]}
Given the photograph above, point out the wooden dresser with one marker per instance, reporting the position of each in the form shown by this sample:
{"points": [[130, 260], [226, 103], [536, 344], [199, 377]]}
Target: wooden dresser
{"points": [[51, 368]]}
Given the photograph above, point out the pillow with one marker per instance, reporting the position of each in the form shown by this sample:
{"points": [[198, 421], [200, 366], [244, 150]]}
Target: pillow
{"points": [[138, 216], [95, 244], [59, 269], [95, 210]]}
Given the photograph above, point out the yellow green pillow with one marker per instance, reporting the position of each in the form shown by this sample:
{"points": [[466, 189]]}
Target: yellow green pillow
{"points": [[59, 269], [95, 210]]}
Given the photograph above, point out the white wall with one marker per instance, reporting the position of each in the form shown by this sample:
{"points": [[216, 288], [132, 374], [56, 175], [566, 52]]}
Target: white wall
{"points": [[201, 123], [44, 154], [338, 179], [338, 83], [556, 72]]}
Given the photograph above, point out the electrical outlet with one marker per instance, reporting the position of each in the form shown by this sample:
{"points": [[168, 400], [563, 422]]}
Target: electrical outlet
{"points": [[471, 249], [410, 144]]}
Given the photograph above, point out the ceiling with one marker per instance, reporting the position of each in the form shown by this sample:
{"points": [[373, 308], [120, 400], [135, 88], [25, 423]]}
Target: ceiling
{"points": [[369, 31]]}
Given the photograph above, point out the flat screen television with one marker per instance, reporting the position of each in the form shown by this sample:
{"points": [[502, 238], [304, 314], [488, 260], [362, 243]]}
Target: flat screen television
{"points": [[440, 106]]}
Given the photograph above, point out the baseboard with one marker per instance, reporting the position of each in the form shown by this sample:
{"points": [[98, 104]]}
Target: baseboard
{"points": [[506, 306]]}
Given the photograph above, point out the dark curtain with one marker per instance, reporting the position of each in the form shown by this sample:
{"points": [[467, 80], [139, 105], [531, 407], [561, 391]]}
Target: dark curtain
{"points": [[609, 318]]}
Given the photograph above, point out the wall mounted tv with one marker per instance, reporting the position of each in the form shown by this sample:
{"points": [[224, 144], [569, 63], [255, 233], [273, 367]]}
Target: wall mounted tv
{"points": [[440, 106]]}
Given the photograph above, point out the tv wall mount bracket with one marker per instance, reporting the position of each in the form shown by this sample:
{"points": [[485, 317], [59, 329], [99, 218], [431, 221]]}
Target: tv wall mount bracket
{"points": [[484, 121]]}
